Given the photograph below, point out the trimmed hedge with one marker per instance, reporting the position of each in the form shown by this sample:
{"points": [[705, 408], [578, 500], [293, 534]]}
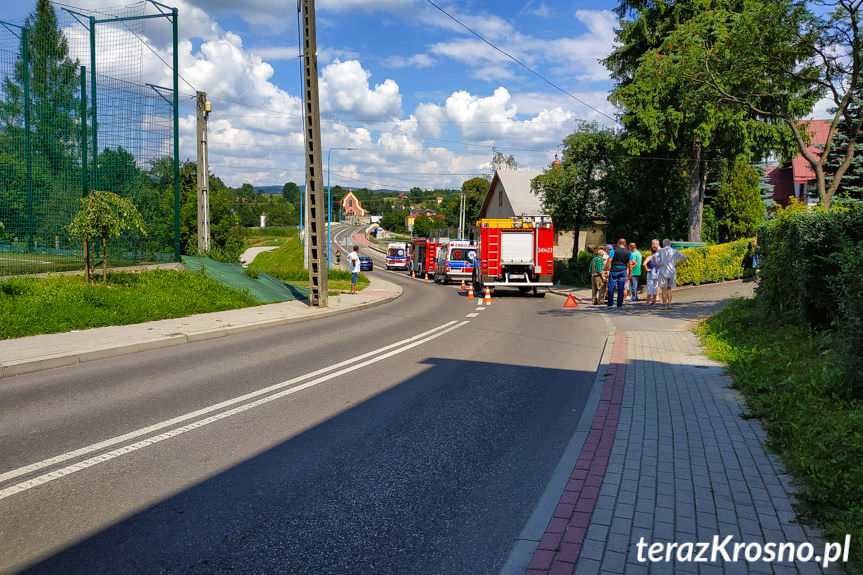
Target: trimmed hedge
{"points": [[709, 264], [717, 263]]}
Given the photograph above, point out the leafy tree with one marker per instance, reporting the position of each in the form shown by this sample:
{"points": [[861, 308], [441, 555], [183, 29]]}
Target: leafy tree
{"points": [[54, 88], [665, 109], [739, 209], [572, 192], [118, 171], [646, 198], [474, 191], [291, 192], [775, 60], [394, 221], [423, 226], [104, 215], [499, 161]]}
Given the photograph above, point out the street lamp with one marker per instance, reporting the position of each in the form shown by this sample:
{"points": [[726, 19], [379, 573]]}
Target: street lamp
{"points": [[330, 200]]}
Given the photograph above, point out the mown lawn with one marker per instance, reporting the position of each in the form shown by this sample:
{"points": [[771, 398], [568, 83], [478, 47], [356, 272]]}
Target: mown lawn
{"points": [[256, 237], [31, 306], [792, 380], [286, 264]]}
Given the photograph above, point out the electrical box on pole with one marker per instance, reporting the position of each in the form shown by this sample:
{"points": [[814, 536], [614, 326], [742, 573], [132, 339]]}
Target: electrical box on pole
{"points": [[316, 206], [203, 113]]}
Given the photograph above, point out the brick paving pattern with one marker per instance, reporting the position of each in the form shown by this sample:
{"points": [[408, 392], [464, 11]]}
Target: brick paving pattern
{"points": [[684, 466]]}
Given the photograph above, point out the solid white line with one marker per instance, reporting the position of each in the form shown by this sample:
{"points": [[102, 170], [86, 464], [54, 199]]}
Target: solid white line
{"points": [[63, 472], [204, 411], [474, 314]]}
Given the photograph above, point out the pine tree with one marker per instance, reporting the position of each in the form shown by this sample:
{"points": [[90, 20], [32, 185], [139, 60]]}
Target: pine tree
{"points": [[53, 83], [738, 204], [851, 187]]}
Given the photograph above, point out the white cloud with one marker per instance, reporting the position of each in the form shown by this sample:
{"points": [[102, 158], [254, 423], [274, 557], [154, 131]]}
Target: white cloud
{"points": [[415, 61], [541, 10], [345, 89], [364, 5]]}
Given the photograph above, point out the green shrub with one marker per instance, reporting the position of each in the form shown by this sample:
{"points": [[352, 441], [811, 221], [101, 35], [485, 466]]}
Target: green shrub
{"points": [[574, 271], [810, 275], [710, 264]]}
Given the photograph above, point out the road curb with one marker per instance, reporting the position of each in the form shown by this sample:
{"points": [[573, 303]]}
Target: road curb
{"points": [[77, 358], [527, 542]]}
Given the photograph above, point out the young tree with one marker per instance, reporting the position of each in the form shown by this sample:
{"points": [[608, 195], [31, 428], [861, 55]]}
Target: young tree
{"points": [[499, 161], [291, 192], [572, 193], [54, 87], [738, 204], [474, 190], [104, 215], [774, 59]]}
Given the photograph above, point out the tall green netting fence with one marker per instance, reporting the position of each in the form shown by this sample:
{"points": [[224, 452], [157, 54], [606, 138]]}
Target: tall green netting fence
{"points": [[83, 107]]}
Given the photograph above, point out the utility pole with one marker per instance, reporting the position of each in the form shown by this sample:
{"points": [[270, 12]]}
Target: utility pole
{"points": [[316, 206], [461, 216], [203, 108]]}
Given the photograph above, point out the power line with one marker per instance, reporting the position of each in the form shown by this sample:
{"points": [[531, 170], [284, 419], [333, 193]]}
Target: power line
{"points": [[520, 63]]}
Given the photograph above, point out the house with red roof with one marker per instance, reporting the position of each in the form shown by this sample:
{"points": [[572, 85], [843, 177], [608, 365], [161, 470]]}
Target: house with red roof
{"points": [[798, 178], [351, 206]]}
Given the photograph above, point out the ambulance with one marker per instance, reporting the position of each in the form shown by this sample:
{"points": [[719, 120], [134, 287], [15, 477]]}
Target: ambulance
{"points": [[455, 261], [398, 256]]}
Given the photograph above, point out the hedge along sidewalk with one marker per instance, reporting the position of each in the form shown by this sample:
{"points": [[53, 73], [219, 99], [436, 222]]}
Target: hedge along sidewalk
{"points": [[708, 264], [40, 352]]}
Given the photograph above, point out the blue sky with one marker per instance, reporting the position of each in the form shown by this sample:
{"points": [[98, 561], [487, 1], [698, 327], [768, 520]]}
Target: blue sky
{"points": [[421, 100]]}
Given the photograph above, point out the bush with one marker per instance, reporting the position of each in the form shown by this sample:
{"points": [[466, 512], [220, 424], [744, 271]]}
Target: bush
{"points": [[810, 275], [574, 271], [710, 264]]}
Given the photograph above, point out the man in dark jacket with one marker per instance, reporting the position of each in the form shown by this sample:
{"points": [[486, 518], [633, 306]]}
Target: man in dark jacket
{"points": [[617, 265]]}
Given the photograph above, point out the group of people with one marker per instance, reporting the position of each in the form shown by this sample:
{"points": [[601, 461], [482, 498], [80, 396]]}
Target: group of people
{"points": [[619, 269]]}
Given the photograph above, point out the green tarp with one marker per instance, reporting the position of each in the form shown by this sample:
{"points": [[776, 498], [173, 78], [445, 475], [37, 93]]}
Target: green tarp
{"points": [[264, 288]]}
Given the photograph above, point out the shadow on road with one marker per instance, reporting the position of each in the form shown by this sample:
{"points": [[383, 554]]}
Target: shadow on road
{"points": [[435, 475]]}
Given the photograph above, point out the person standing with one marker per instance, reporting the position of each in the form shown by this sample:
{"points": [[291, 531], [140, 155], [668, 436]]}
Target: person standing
{"points": [[596, 281], [635, 275], [651, 272], [354, 260], [667, 258], [617, 266]]}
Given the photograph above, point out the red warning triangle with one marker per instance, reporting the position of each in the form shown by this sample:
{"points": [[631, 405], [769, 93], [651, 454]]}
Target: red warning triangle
{"points": [[570, 302]]}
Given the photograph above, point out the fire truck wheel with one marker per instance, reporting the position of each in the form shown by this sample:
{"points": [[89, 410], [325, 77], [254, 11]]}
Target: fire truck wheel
{"points": [[538, 293]]}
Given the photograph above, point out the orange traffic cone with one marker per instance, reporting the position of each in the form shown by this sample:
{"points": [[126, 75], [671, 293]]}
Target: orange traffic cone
{"points": [[462, 288], [427, 276], [486, 299], [470, 291], [412, 275], [570, 302]]}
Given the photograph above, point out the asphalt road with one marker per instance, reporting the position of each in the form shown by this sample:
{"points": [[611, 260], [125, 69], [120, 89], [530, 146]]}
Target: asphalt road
{"points": [[415, 437]]}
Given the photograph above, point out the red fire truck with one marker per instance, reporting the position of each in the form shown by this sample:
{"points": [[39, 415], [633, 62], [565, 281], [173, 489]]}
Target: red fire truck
{"points": [[423, 256], [515, 252]]}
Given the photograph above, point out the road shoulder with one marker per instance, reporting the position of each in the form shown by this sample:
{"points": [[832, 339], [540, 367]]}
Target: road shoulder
{"points": [[41, 352]]}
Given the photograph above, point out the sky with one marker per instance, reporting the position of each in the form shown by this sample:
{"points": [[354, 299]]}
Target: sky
{"points": [[420, 101]]}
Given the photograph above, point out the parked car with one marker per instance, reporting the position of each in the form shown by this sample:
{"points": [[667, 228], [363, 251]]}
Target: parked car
{"points": [[366, 264]]}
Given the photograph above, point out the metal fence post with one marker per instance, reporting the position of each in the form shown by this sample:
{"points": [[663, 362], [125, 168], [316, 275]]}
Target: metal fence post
{"points": [[84, 184], [176, 141], [94, 124], [28, 147]]}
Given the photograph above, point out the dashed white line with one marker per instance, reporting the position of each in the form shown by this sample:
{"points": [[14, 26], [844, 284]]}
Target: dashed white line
{"points": [[472, 314]]}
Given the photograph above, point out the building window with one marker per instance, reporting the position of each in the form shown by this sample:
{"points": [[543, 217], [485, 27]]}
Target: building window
{"points": [[350, 203]]}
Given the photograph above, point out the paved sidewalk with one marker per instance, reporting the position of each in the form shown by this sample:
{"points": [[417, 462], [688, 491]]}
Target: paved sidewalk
{"points": [[667, 456], [35, 353]]}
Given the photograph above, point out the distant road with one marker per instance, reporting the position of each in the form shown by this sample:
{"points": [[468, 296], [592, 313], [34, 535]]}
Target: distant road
{"points": [[415, 437]]}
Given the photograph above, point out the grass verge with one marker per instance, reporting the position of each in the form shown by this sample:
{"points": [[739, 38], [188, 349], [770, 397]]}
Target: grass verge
{"points": [[31, 306], [792, 380], [256, 237], [286, 264]]}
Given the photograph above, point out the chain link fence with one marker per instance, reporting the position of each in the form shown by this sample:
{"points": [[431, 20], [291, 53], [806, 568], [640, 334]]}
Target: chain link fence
{"points": [[81, 109]]}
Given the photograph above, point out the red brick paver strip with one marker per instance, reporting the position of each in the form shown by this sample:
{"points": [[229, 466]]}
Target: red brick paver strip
{"points": [[559, 548]]}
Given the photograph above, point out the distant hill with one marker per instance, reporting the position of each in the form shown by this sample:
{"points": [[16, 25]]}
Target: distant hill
{"points": [[275, 190]]}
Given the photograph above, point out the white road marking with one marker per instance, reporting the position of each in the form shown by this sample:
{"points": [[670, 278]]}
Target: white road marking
{"points": [[63, 472], [480, 308], [472, 314], [206, 410]]}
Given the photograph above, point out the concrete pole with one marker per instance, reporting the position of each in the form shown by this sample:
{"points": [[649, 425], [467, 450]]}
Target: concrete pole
{"points": [[316, 209], [203, 113]]}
